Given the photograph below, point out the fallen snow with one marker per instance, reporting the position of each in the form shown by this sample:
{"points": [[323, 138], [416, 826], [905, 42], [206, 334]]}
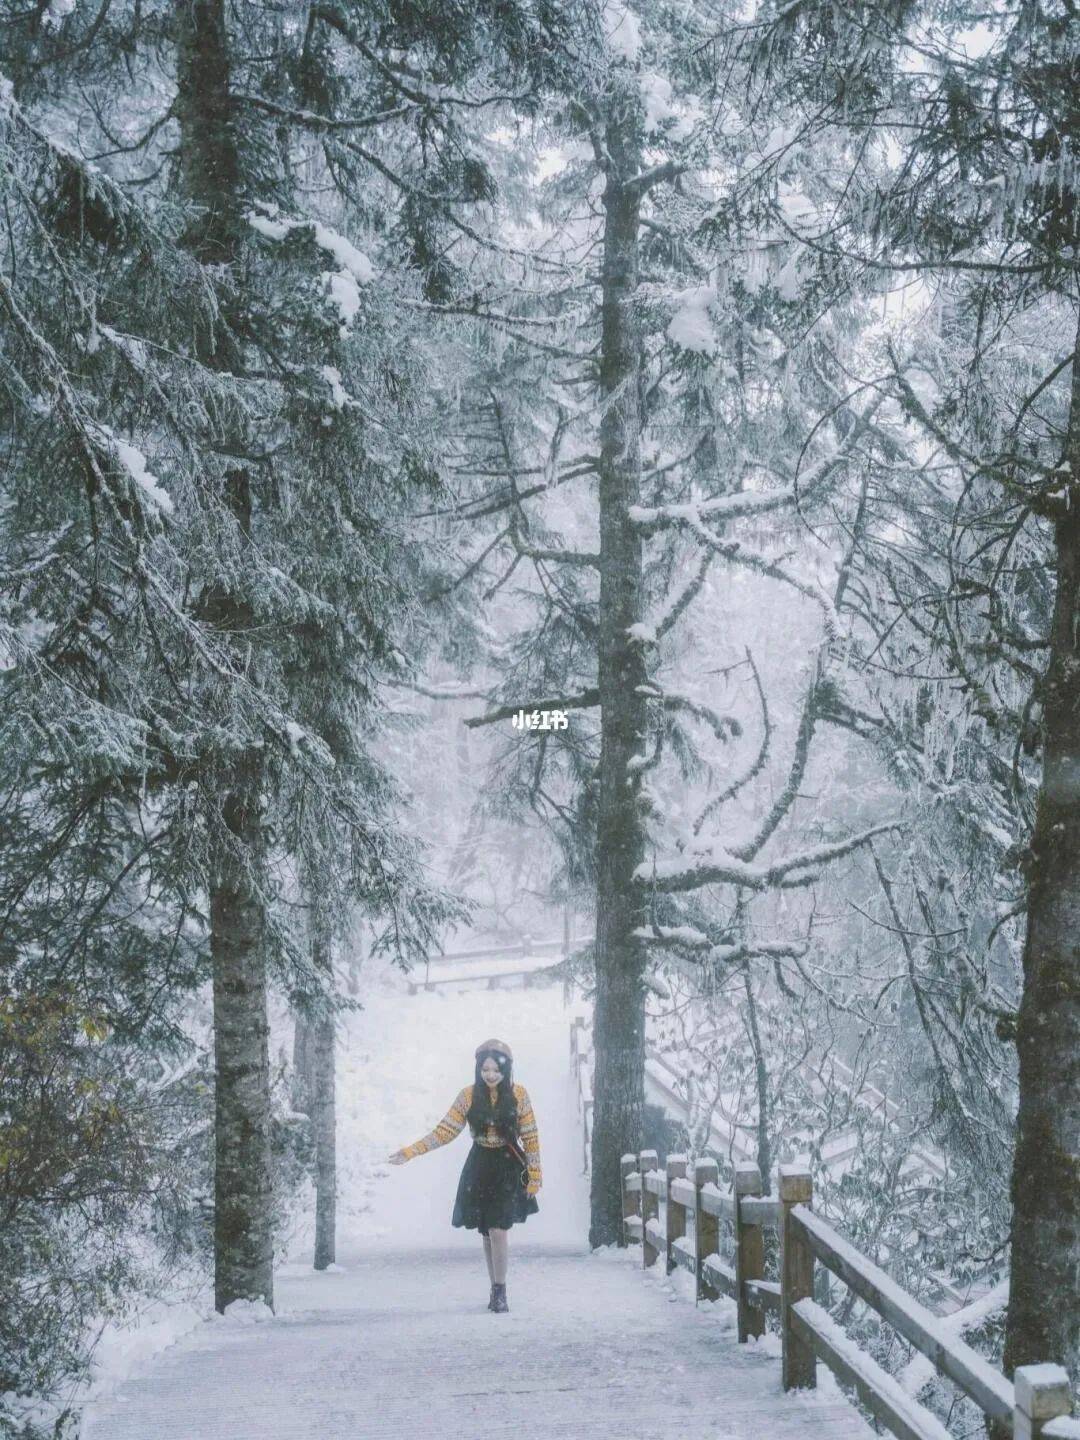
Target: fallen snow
{"points": [[272, 229], [1061, 1429], [352, 260], [932, 1325], [244, 1312], [677, 934], [57, 13], [795, 207], [337, 246], [676, 117], [133, 348], [641, 632], [134, 462], [691, 327], [332, 375], [342, 285], [345, 294], [621, 29], [656, 93]]}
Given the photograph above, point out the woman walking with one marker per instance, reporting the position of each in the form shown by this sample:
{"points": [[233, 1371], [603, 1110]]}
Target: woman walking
{"points": [[501, 1174]]}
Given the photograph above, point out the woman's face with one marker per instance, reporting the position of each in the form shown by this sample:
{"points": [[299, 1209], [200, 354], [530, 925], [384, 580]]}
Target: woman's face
{"points": [[490, 1071]]}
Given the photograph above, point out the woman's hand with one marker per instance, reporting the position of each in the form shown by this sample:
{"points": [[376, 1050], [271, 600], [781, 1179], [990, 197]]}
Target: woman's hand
{"points": [[398, 1158]]}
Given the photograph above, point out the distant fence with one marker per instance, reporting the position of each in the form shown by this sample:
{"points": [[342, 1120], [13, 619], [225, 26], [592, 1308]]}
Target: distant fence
{"points": [[439, 975], [718, 1237], [578, 1056], [526, 946]]}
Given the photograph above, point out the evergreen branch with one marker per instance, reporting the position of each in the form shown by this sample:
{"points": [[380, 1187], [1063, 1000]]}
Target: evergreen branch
{"points": [[451, 692], [737, 553], [648, 180], [393, 73], [689, 594], [312, 121], [724, 727], [561, 557]]}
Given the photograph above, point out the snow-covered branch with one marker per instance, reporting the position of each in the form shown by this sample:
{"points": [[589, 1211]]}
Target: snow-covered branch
{"points": [[717, 866]]}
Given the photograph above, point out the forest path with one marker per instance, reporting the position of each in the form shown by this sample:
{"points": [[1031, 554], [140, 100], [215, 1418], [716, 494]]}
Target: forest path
{"points": [[402, 1346], [400, 1343]]}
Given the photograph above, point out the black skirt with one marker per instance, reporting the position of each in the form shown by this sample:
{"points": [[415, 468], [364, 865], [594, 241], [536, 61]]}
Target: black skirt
{"points": [[490, 1193]]}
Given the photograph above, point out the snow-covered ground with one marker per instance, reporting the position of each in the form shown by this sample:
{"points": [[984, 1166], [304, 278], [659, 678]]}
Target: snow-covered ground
{"points": [[397, 1340]]}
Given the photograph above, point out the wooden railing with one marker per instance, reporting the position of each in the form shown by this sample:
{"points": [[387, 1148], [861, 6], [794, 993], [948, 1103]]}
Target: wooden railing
{"points": [[583, 1078], [438, 971], [1036, 1405], [727, 1143]]}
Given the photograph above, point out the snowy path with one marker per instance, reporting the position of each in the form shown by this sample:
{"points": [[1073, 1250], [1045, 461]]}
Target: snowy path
{"points": [[404, 1345], [400, 1342]]}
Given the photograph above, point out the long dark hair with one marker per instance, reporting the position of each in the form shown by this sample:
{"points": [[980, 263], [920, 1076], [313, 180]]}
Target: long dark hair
{"points": [[504, 1113]]}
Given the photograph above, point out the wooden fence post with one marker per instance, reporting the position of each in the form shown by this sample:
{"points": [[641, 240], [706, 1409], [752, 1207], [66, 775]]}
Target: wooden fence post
{"points": [[674, 1211], [577, 1030], [749, 1254], [650, 1209], [799, 1369], [631, 1200], [1041, 1394], [706, 1229]]}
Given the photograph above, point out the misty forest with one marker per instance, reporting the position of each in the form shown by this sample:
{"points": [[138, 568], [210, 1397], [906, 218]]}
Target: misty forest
{"points": [[555, 519]]}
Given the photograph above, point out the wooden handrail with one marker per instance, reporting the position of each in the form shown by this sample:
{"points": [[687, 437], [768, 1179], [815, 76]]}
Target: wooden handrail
{"points": [[1035, 1407], [528, 946], [951, 1356]]}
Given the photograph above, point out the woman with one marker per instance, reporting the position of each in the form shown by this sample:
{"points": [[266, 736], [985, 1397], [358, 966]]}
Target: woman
{"points": [[501, 1174]]}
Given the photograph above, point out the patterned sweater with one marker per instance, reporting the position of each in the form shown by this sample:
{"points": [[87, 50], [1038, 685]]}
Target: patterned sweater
{"points": [[453, 1122]]}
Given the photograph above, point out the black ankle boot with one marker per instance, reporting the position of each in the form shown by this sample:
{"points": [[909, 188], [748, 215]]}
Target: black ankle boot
{"points": [[491, 1297], [498, 1299]]}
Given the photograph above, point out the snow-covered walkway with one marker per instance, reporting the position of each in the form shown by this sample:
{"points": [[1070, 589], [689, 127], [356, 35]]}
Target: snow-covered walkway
{"points": [[400, 1343], [401, 1346]]}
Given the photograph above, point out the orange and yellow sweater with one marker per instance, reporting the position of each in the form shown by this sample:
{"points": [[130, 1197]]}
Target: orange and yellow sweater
{"points": [[453, 1122]]}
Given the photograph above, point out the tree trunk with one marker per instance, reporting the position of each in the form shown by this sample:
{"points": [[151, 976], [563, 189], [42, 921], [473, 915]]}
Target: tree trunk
{"points": [[321, 1057], [1043, 1324], [761, 1078], [243, 1239], [302, 1063], [619, 1016]]}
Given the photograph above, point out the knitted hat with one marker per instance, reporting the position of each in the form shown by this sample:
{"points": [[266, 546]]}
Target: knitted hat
{"points": [[495, 1045]]}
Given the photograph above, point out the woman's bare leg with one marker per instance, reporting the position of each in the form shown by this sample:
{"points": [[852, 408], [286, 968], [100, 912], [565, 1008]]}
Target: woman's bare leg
{"points": [[500, 1255], [487, 1257]]}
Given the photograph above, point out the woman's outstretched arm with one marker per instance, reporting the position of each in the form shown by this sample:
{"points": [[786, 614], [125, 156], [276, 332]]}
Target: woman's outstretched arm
{"points": [[530, 1139], [450, 1126]]}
